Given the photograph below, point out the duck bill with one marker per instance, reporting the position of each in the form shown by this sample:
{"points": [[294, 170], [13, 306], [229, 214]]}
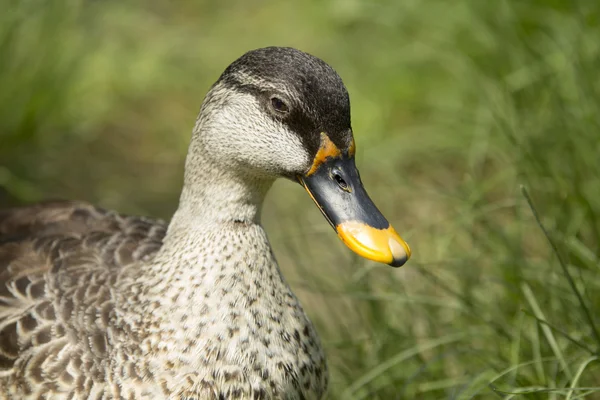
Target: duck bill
{"points": [[335, 186]]}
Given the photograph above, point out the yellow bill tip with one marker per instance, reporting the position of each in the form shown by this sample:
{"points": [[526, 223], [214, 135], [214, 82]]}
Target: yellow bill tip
{"points": [[400, 252], [381, 245]]}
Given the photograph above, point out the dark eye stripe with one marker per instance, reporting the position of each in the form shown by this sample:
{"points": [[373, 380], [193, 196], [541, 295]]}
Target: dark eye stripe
{"points": [[304, 123]]}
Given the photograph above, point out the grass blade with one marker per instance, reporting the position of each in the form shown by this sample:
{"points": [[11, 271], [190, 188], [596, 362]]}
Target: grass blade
{"points": [[563, 265]]}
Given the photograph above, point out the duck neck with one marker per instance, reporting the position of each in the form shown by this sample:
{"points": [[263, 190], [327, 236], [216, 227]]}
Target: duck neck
{"points": [[215, 194], [216, 228], [213, 298], [215, 259]]}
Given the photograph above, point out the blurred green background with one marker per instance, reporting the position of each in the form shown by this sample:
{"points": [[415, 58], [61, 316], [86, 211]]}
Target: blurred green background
{"points": [[455, 105]]}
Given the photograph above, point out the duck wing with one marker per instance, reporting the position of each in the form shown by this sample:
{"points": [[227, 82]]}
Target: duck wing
{"points": [[57, 267]]}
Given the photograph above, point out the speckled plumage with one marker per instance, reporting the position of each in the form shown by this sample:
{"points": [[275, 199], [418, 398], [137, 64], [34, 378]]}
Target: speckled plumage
{"points": [[95, 305]]}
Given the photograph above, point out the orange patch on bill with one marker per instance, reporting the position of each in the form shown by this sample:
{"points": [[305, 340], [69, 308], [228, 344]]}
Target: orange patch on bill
{"points": [[328, 149], [352, 148]]}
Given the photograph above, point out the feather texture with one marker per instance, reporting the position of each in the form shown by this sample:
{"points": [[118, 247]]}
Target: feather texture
{"points": [[57, 263]]}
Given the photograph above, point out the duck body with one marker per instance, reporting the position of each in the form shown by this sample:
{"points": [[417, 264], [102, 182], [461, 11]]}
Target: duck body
{"points": [[96, 305], [141, 326]]}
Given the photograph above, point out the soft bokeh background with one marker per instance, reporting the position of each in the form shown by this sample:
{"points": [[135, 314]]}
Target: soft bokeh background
{"points": [[455, 105]]}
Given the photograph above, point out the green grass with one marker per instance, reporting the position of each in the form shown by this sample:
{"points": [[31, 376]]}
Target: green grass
{"points": [[456, 106]]}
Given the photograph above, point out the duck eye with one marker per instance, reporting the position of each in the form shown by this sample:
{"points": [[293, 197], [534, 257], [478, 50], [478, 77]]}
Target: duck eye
{"points": [[279, 105]]}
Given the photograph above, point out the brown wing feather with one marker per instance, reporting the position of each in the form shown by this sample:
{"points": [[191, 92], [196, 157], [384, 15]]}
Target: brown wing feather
{"points": [[41, 243], [56, 217]]}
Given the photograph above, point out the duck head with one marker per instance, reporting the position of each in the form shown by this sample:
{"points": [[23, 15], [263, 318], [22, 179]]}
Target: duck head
{"points": [[280, 112]]}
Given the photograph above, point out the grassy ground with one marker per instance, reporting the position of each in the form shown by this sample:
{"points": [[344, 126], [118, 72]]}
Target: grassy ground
{"points": [[471, 117]]}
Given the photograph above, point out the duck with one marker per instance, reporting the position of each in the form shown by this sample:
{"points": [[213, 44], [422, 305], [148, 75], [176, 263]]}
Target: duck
{"points": [[95, 304]]}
